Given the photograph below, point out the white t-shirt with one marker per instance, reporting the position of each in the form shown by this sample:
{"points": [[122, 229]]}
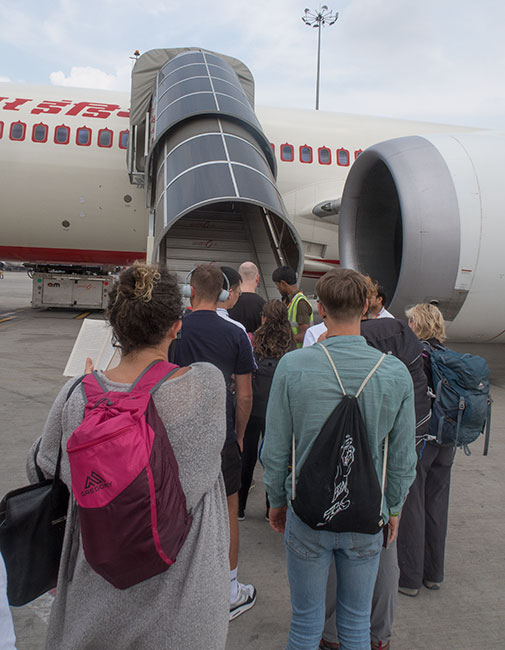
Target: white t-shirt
{"points": [[313, 333], [7, 636], [384, 313]]}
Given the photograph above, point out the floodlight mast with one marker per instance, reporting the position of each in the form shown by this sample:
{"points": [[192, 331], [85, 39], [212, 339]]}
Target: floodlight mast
{"points": [[317, 19]]}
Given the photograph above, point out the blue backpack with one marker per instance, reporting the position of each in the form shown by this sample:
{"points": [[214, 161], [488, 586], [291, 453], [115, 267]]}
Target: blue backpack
{"points": [[461, 410]]}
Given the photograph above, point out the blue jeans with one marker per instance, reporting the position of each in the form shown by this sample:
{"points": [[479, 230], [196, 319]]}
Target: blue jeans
{"points": [[309, 555]]}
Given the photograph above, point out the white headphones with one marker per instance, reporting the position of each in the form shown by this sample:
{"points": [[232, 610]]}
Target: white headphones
{"points": [[223, 296]]}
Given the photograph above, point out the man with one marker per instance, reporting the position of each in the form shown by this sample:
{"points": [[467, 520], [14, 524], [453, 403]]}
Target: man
{"points": [[207, 337], [249, 305], [377, 308], [234, 291], [387, 408], [299, 308]]}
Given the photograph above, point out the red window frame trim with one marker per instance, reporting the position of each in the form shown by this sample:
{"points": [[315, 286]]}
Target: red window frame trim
{"points": [[306, 162], [80, 144], [319, 155], [357, 153], [348, 157], [33, 133], [105, 146], [273, 146], [62, 126], [286, 144], [24, 131], [121, 138], [1, 129]]}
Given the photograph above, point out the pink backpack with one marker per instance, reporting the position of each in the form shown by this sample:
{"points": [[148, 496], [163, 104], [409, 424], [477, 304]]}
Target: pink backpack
{"points": [[125, 479]]}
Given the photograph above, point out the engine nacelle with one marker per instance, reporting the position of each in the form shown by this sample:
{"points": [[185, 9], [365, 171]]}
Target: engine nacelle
{"points": [[424, 217]]}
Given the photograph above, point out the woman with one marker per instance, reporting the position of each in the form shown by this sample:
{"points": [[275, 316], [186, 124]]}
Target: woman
{"points": [[272, 340], [423, 523], [186, 606]]}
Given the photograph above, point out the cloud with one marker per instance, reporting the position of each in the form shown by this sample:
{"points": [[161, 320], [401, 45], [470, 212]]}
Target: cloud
{"points": [[89, 77]]}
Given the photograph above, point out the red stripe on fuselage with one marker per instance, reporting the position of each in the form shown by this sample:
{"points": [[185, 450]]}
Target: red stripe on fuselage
{"points": [[69, 255]]}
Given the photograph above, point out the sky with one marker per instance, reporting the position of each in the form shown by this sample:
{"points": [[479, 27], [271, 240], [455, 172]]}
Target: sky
{"points": [[437, 60]]}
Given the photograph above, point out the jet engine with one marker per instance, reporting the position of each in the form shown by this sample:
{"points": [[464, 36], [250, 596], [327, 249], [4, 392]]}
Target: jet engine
{"points": [[424, 217]]}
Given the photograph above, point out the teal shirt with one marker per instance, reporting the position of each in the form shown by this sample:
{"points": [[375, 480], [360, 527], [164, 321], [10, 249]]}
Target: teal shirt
{"points": [[305, 391]]}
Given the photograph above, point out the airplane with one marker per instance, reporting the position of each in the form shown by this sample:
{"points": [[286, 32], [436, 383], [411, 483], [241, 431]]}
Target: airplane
{"points": [[184, 170]]}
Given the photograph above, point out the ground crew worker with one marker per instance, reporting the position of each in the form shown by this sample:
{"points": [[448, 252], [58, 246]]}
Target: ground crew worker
{"points": [[299, 309]]}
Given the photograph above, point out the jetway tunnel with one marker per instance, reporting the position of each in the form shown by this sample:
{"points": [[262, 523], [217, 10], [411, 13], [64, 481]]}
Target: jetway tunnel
{"points": [[208, 168]]}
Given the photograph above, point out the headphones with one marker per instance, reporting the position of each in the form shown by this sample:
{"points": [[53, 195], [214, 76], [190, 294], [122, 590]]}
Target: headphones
{"points": [[223, 296]]}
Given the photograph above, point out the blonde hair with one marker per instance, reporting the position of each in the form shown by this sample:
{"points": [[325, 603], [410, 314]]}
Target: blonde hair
{"points": [[426, 321]]}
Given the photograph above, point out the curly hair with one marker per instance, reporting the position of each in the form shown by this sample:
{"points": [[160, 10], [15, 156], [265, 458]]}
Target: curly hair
{"points": [[426, 321], [144, 303], [274, 337]]}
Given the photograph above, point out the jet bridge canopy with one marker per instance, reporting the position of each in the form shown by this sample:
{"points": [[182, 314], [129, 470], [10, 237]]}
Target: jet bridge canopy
{"points": [[210, 172]]}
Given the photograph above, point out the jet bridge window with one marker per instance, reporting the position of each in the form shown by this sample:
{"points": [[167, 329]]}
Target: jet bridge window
{"points": [[324, 155], [62, 134], [342, 157], [287, 152], [83, 137], [40, 132], [105, 138], [123, 139], [305, 154], [17, 131]]}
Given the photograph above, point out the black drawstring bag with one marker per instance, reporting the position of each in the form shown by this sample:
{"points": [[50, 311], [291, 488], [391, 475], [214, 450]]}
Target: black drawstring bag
{"points": [[338, 489], [32, 527]]}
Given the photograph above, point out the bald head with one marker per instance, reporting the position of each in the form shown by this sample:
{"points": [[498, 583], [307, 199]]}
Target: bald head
{"points": [[250, 276]]}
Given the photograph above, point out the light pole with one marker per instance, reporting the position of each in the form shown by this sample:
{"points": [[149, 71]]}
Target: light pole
{"points": [[317, 19]]}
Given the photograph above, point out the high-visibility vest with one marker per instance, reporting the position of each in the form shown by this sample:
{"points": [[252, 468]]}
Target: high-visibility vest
{"points": [[293, 312]]}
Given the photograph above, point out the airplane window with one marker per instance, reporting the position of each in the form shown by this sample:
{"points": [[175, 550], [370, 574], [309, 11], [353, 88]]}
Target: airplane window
{"points": [[39, 133], [342, 157], [18, 130], [62, 134], [105, 138], [287, 152], [305, 154], [357, 153], [1, 129], [324, 156], [83, 136], [123, 140]]}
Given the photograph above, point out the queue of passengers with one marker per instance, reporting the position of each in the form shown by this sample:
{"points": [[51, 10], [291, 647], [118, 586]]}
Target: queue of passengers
{"points": [[243, 375]]}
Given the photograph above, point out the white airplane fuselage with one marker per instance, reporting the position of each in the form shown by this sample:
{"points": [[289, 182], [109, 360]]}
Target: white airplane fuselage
{"points": [[72, 202]]}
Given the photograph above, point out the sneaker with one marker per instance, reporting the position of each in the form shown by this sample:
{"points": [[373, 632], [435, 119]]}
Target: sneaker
{"points": [[431, 585], [380, 645], [241, 515], [406, 591], [245, 600]]}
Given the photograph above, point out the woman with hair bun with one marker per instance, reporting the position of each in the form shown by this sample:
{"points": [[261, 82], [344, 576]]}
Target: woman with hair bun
{"points": [[186, 606], [272, 340], [423, 523]]}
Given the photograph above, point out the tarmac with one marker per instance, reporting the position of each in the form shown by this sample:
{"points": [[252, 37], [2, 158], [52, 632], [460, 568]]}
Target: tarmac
{"points": [[467, 612]]}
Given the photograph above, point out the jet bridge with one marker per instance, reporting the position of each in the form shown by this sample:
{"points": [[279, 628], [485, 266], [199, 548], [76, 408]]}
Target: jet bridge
{"points": [[208, 169]]}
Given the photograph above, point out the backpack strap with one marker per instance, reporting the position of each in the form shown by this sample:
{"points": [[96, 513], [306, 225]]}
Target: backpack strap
{"points": [[365, 381], [153, 376]]}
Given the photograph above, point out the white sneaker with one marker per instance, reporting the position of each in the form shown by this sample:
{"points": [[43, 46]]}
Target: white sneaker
{"points": [[245, 599]]}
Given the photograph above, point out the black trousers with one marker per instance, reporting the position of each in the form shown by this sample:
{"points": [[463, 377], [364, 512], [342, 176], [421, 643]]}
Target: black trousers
{"points": [[255, 428], [423, 522]]}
